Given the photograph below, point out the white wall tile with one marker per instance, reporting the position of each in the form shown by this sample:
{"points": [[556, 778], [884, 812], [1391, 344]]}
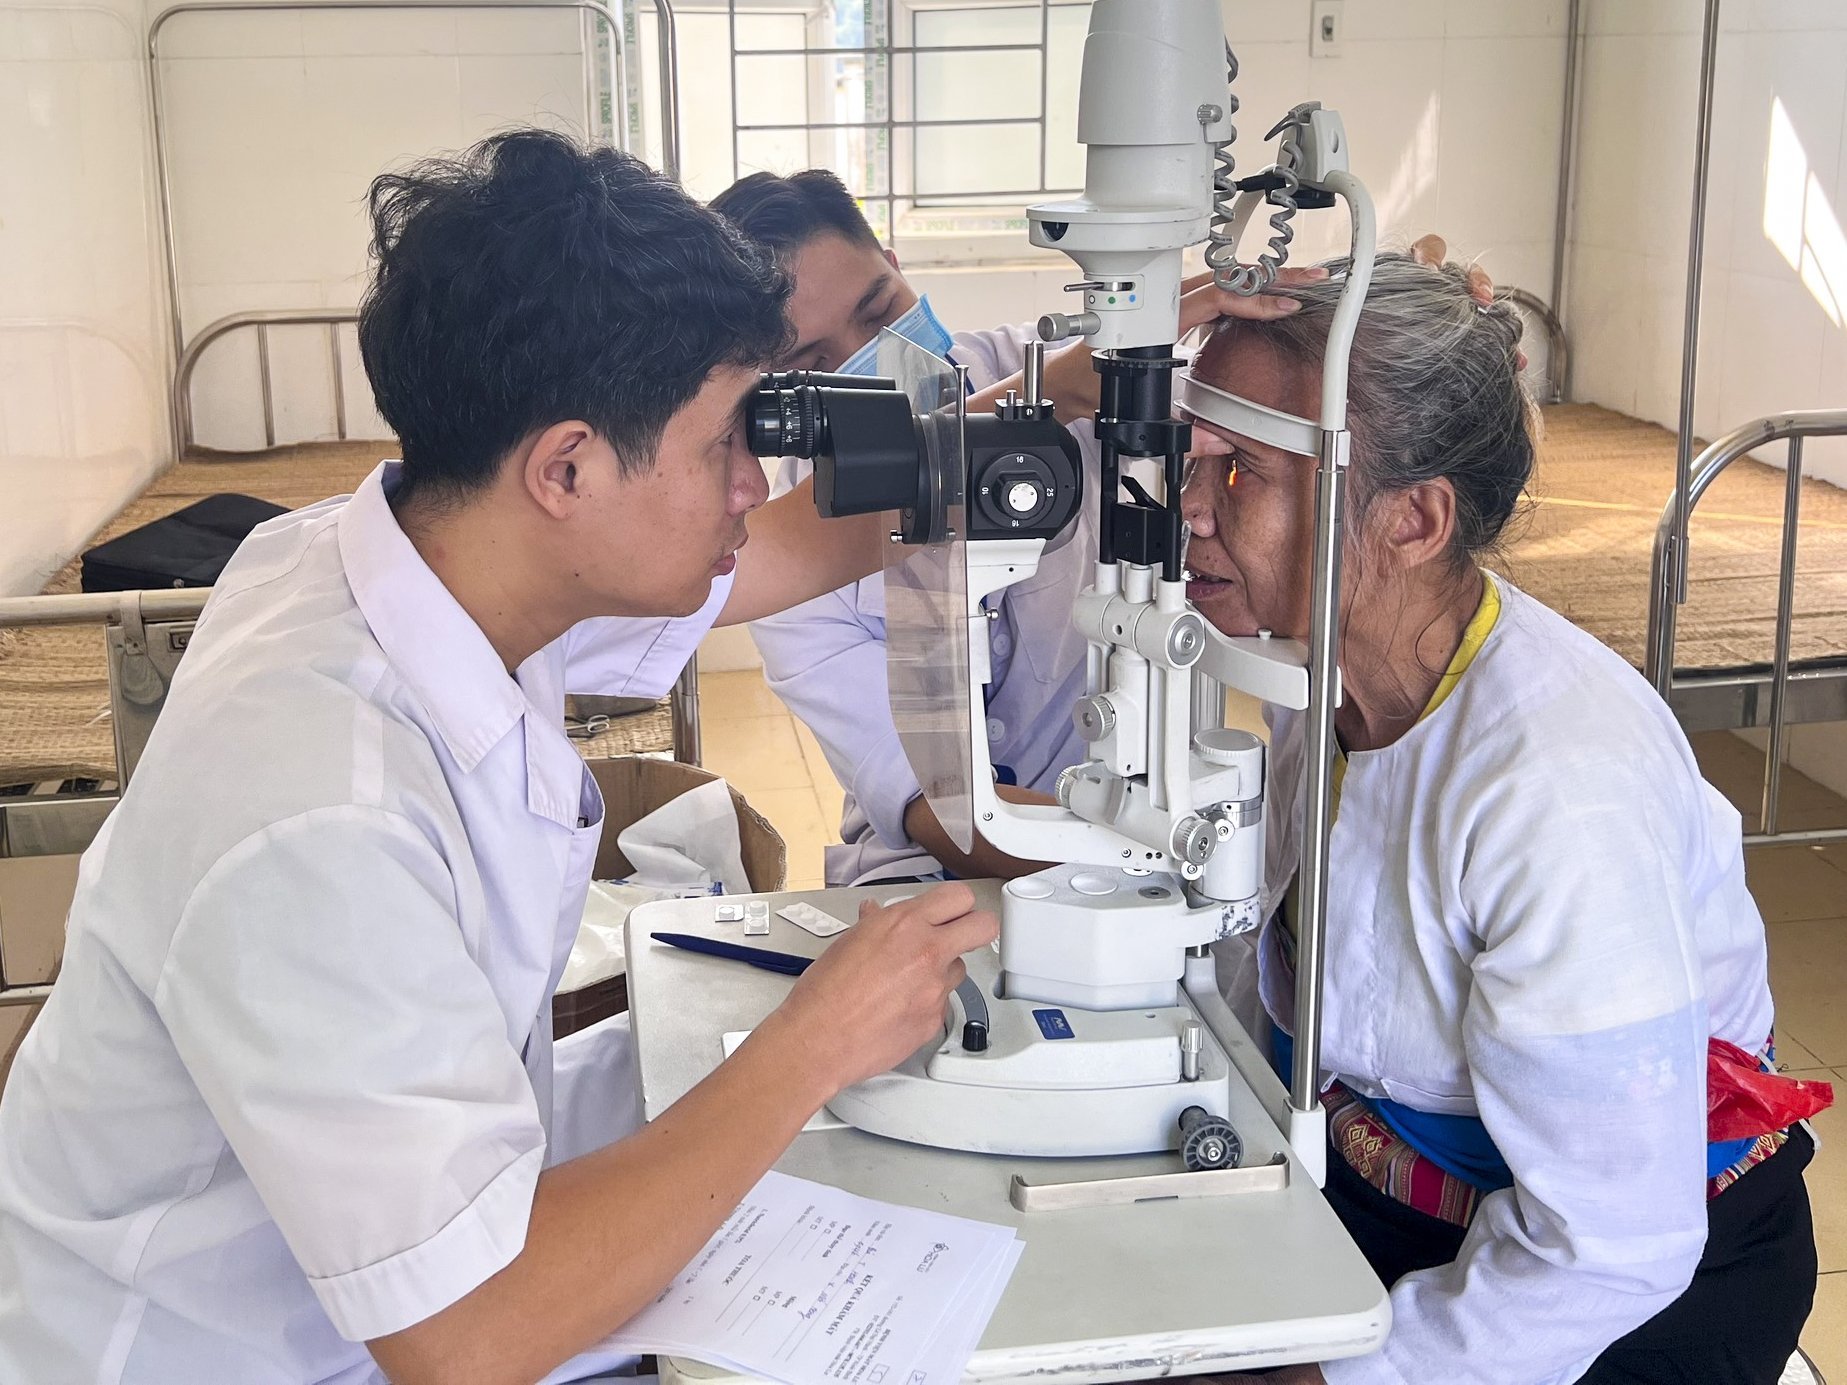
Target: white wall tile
{"points": [[1604, 17], [1660, 185], [1602, 302], [1807, 75], [1607, 143], [1394, 128], [1660, 333], [1394, 19], [1266, 21], [354, 33], [1498, 139], [1793, 16], [1767, 343], [235, 34], [38, 414], [1715, 307], [103, 35], [240, 139], [543, 90], [1771, 350], [1272, 77], [1501, 18], [370, 114], [976, 299], [503, 32]]}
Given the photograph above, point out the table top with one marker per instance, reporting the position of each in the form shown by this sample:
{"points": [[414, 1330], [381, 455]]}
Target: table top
{"points": [[1101, 1294]]}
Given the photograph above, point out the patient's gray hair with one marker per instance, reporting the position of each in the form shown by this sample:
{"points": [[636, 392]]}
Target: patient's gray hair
{"points": [[1433, 389]]}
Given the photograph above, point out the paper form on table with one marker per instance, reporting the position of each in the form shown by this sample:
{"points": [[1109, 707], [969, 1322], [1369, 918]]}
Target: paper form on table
{"points": [[807, 1283]]}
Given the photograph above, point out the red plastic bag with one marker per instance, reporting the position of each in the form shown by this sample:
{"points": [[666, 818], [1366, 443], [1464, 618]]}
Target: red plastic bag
{"points": [[1743, 1101]]}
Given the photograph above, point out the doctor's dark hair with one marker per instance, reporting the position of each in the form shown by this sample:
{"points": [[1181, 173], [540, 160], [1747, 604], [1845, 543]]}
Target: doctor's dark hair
{"points": [[785, 213], [533, 280], [1433, 388]]}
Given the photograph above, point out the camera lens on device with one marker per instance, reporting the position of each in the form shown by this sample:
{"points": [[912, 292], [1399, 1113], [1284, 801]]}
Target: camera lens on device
{"points": [[783, 422], [787, 416]]}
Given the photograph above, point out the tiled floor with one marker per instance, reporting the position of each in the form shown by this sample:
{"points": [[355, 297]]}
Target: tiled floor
{"points": [[751, 739], [773, 760], [1802, 892]]}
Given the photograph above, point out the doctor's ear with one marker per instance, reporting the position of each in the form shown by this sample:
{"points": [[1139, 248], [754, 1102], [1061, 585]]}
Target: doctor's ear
{"points": [[556, 470]]}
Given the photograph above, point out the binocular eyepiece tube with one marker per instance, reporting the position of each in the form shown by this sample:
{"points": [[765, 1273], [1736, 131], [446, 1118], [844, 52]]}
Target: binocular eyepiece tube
{"points": [[860, 431], [1018, 471]]}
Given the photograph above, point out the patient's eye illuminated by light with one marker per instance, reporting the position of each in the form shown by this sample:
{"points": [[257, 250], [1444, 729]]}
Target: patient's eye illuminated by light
{"points": [[1203, 466]]}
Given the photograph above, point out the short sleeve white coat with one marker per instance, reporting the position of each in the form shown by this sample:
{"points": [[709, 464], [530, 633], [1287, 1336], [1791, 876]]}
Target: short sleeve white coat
{"points": [[293, 1087]]}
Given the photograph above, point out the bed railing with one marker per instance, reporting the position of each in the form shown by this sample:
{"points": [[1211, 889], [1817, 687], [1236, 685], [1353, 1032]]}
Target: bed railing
{"points": [[146, 633], [260, 322], [685, 697], [667, 40], [1668, 590], [1558, 352]]}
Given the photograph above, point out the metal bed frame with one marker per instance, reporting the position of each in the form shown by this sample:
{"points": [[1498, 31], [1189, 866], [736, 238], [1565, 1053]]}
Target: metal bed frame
{"points": [[187, 354], [1739, 698], [1730, 699], [1558, 352], [146, 632]]}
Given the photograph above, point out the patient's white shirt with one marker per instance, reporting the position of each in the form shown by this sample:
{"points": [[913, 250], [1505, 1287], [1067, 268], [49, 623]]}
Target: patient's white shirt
{"points": [[292, 1089], [1537, 915]]}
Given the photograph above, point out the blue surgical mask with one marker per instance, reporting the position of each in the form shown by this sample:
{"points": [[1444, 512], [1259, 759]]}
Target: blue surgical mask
{"points": [[918, 326]]}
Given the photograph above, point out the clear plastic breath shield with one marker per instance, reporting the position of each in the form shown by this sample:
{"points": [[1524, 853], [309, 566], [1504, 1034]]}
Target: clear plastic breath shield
{"points": [[926, 593]]}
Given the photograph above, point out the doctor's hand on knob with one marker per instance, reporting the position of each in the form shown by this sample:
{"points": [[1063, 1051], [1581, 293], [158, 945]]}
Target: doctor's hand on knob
{"points": [[880, 991]]}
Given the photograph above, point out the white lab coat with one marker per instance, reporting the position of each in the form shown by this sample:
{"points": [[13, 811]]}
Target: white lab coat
{"points": [[826, 660], [293, 1088], [1537, 915]]}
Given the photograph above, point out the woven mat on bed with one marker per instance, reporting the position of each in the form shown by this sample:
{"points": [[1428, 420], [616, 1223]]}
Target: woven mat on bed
{"points": [[54, 682], [1584, 550]]}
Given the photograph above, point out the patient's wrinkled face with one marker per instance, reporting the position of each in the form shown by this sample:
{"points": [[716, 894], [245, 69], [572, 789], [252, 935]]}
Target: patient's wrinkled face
{"points": [[1252, 514]]}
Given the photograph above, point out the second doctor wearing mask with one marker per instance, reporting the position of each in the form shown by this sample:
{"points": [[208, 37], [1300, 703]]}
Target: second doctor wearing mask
{"points": [[826, 658]]}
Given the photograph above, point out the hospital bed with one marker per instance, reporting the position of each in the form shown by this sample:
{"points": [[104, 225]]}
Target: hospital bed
{"points": [[1761, 640], [83, 676]]}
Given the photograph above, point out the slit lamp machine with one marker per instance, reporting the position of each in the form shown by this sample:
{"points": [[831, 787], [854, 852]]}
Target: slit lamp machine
{"points": [[1096, 1026]]}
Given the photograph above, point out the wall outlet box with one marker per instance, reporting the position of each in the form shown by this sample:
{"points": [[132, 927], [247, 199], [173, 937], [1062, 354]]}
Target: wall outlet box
{"points": [[1328, 28]]}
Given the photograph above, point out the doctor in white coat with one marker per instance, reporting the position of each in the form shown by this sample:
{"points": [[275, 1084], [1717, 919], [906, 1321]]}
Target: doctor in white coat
{"points": [[286, 1117], [826, 657]]}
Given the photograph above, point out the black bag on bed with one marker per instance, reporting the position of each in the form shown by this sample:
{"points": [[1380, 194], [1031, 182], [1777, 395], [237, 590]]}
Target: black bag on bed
{"points": [[188, 548]]}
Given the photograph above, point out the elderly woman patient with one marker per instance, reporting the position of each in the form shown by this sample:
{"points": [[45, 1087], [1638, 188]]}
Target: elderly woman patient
{"points": [[1539, 940]]}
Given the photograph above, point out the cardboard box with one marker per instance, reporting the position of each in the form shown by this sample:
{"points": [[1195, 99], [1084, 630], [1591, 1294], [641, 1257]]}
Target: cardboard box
{"points": [[634, 786], [35, 891], [35, 896]]}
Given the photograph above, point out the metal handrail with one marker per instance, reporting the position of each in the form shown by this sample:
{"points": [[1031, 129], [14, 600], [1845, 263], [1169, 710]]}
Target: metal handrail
{"points": [[1667, 584], [103, 608], [332, 318], [666, 38], [133, 611], [1558, 352]]}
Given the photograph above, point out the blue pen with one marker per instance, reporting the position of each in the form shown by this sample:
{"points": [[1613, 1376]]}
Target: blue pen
{"points": [[788, 963]]}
